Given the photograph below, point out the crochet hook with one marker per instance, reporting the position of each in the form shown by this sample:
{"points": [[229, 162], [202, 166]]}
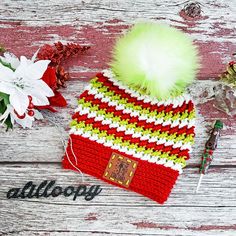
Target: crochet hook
{"points": [[210, 146]]}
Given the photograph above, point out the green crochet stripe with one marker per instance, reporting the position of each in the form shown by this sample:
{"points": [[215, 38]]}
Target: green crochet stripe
{"points": [[125, 122], [125, 143], [143, 111]]}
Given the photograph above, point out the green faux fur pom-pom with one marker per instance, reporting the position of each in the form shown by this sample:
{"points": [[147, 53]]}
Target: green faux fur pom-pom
{"points": [[155, 58]]}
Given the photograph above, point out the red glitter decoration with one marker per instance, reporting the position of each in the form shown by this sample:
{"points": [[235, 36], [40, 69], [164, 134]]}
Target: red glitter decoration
{"points": [[56, 76], [57, 54]]}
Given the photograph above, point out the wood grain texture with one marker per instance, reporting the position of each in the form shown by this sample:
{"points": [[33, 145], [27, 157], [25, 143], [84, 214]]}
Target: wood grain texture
{"points": [[36, 154], [122, 220], [98, 22], [218, 187], [43, 141], [121, 212]]}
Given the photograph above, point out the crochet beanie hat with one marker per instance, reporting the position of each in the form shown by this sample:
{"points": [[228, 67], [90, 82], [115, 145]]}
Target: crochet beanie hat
{"points": [[134, 127]]}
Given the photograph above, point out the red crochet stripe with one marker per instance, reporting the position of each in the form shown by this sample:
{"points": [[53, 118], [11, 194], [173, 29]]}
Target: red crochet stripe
{"points": [[134, 119], [96, 149], [106, 82], [151, 180], [77, 148], [138, 141]]}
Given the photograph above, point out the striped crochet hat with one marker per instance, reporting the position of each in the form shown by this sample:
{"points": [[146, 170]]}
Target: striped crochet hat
{"points": [[129, 140], [124, 136]]}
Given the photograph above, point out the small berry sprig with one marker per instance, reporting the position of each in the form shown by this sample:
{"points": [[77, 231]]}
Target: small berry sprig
{"points": [[30, 110]]}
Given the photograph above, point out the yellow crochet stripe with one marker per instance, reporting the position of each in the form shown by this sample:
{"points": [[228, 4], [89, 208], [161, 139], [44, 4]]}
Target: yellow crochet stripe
{"points": [[143, 111], [125, 143], [125, 122]]}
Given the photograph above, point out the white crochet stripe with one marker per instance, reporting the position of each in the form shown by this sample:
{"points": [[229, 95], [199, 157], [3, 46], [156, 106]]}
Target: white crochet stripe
{"points": [[126, 150], [178, 122], [177, 101], [130, 131]]}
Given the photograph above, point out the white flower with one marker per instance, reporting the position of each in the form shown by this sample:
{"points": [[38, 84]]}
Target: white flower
{"points": [[24, 81]]}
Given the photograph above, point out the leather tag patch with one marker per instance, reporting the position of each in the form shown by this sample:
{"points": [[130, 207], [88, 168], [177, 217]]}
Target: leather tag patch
{"points": [[120, 170]]}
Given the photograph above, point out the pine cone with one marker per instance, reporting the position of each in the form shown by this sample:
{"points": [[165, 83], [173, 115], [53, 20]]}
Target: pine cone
{"points": [[62, 76]]}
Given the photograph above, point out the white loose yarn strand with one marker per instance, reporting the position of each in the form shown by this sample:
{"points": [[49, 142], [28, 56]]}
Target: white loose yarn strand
{"points": [[65, 149]]}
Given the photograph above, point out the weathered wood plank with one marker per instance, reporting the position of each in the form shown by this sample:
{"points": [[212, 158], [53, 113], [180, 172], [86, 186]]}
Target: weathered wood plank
{"points": [[54, 12], [218, 187], [152, 221], [24, 27], [76, 233], [26, 40], [42, 143], [20, 216], [98, 23], [66, 233]]}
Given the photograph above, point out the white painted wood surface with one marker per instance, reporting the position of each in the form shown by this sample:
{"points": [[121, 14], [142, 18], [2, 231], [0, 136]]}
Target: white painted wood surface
{"points": [[119, 211], [35, 154]]}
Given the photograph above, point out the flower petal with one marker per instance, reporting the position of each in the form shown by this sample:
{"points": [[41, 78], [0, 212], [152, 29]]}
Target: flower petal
{"points": [[11, 58], [39, 86], [58, 100], [38, 115], [7, 88], [26, 122], [38, 99], [38, 68], [44, 88], [33, 70], [38, 93], [6, 74], [19, 101], [48, 107], [34, 56], [22, 69]]}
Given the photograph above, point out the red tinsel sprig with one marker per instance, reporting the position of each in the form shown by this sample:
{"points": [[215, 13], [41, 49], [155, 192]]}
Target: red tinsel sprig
{"points": [[59, 52]]}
